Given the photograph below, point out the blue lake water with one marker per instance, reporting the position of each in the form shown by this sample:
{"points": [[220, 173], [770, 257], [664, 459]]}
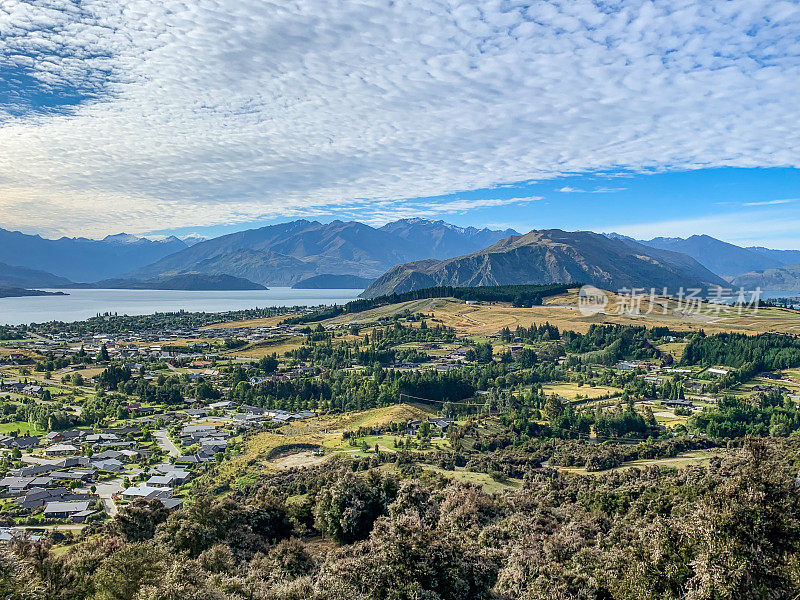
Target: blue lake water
{"points": [[82, 304]]}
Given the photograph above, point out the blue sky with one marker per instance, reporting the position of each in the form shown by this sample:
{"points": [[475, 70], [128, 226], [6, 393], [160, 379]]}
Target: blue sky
{"points": [[743, 206], [161, 116]]}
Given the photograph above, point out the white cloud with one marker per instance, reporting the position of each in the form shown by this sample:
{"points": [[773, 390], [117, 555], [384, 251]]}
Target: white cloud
{"points": [[223, 111], [768, 202], [601, 190]]}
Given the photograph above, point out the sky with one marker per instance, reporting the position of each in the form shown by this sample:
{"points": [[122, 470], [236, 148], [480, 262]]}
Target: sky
{"points": [[160, 116]]}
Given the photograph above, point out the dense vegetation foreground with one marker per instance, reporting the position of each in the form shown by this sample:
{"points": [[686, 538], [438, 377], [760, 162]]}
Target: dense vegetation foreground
{"points": [[347, 529]]}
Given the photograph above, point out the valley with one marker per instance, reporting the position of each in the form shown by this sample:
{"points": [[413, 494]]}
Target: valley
{"points": [[287, 416]]}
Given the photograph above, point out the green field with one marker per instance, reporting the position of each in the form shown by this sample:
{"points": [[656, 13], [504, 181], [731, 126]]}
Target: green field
{"points": [[22, 426]]}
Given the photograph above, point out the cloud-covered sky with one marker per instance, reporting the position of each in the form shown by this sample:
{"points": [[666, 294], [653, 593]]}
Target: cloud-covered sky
{"points": [[161, 115]]}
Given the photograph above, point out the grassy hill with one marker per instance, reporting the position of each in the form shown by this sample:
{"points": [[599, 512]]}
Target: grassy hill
{"points": [[561, 310]]}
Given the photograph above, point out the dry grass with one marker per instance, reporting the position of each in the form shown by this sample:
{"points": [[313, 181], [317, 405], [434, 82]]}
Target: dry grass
{"points": [[571, 390], [297, 460], [29, 353], [674, 348], [383, 416], [278, 346], [89, 372], [249, 323], [698, 457], [324, 431], [489, 484], [562, 311]]}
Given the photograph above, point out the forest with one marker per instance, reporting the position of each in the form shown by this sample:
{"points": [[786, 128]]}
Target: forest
{"points": [[728, 530]]}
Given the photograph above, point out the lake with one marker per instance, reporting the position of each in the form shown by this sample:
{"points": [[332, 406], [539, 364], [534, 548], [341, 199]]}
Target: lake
{"points": [[82, 304]]}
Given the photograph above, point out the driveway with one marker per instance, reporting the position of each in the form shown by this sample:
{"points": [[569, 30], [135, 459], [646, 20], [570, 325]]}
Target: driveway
{"points": [[106, 489], [166, 444]]}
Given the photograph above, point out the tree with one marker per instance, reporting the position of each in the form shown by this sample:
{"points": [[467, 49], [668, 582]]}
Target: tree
{"points": [[137, 522], [405, 559], [527, 358], [747, 532], [16, 582], [347, 509], [125, 571], [268, 364]]}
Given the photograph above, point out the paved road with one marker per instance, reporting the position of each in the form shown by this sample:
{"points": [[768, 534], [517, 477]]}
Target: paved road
{"points": [[106, 489], [166, 444]]}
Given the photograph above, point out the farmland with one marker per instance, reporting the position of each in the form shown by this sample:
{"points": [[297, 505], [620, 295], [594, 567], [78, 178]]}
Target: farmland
{"points": [[562, 311]]}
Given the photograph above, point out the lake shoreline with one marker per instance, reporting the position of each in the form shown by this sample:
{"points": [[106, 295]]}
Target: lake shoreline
{"points": [[78, 304]]}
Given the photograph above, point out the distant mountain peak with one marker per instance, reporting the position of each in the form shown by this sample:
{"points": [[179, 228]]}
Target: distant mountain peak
{"points": [[285, 253], [84, 259], [613, 235], [423, 222], [723, 258], [552, 256], [123, 238], [192, 239]]}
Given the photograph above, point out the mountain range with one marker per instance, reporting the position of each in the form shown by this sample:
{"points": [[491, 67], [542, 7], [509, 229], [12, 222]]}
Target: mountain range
{"points": [[723, 258], [287, 253], [401, 255], [553, 256], [183, 281], [82, 259]]}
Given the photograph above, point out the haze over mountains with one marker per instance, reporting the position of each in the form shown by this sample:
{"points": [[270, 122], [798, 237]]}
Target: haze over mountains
{"points": [[284, 254], [402, 255], [723, 258], [11, 276], [82, 259]]}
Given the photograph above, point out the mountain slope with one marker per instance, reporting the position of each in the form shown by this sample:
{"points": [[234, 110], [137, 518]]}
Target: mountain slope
{"points": [[15, 292], [553, 256], [184, 281], [82, 259], [785, 278], [23, 277], [723, 258], [784, 257], [287, 253]]}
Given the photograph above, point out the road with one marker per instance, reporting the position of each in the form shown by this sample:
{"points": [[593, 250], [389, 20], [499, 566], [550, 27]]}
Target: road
{"points": [[106, 489], [166, 444]]}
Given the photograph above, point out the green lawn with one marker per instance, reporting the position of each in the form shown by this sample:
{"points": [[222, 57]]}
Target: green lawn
{"points": [[22, 426]]}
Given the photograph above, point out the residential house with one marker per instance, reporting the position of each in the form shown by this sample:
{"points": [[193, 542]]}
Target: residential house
{"points": [[60, 450], [77, 512], [109, 464], [147, 492], [16, 485]]}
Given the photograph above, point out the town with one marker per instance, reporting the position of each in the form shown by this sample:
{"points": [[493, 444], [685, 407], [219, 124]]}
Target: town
{"points": [[92, 419]]}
